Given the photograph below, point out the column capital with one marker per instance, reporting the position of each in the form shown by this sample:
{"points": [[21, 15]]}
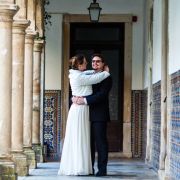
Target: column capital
{"points": [[29, 31], [38, 45], [7, 1], [29, 37], [19, 26], [7, 12]]}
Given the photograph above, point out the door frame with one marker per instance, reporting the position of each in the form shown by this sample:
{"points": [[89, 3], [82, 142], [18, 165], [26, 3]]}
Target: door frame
{"points": [[116, 18]]}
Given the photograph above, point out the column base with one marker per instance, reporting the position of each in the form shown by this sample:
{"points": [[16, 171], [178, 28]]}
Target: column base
{"points": [[127, 139], [161, 174], [7, 170], [31, 158], [39, 152], [167, 177], [127, 154], [119, 155], [22, 167]]}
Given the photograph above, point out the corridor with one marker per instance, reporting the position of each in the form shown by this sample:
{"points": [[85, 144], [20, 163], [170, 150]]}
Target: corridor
{"points": [[117, 169]]}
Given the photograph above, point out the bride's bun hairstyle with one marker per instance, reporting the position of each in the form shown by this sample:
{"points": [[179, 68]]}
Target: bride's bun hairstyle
{"points": [[76, 60]]}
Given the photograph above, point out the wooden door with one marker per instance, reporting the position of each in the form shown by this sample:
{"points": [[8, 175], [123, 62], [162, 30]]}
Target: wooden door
{"points": [[107, 39]]}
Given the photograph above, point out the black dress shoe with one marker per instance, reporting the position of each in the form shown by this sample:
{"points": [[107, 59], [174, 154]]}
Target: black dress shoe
{"points": [[99, 173]]}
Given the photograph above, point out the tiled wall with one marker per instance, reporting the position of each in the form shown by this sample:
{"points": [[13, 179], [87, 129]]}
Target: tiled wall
{"points": [[144, 126], [156, 124], [139, 122], [51, 127], [52, 119], [175, 126]]}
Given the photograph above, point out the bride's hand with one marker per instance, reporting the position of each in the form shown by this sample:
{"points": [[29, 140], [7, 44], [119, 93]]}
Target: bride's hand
{"points": [[78, 100], [74, 99], [106, 68]]}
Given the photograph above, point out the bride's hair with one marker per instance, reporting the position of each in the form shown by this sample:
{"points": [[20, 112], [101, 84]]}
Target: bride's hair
{"points": [[76, 60]]}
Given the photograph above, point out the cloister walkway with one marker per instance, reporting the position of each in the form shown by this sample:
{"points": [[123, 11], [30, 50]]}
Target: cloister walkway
{"points": [[117, 169]]}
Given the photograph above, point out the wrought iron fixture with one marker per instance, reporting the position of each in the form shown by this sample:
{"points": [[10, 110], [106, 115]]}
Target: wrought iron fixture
{"points": [[94, 11]]}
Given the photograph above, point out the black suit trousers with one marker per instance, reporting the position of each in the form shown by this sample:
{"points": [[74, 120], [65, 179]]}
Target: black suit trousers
{"points": [[99, 143]]}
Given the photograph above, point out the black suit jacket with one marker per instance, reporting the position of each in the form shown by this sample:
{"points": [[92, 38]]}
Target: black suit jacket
{"points": [[99, 101]]}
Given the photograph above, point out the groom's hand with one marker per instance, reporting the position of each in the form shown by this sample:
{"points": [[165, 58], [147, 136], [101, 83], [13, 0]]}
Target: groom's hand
{"points": [[78, 100]]}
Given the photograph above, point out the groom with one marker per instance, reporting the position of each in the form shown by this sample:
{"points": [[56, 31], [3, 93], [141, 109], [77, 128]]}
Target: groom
{"points": [[99, 116]]}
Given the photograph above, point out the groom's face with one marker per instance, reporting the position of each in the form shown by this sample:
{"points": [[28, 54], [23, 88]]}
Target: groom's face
{"points": [[97, 63]]}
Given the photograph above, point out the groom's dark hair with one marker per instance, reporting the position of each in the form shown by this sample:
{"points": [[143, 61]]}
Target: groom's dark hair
{"points": [[98, 55]]}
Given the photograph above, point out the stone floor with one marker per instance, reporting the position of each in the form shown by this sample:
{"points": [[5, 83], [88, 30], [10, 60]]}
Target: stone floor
{"points": [[117, 169]]}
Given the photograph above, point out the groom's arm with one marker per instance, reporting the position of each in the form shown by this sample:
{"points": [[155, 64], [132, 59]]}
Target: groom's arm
{"points": [[97, 97], [103, 92]]}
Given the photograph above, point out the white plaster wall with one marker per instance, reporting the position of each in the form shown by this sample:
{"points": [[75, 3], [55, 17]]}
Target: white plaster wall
{"points": [[174, 41], [146, 59], [54, 40], [53, 53], [157, 41], [174, 36]]}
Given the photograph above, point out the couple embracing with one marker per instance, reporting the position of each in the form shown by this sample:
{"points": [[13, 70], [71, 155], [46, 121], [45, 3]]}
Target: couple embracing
{"points": [[86, 128]]}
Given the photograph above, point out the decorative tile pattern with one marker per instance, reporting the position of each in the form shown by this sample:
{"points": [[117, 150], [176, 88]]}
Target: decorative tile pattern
{"points": [[156, 124], [139, 111], [175, 126], [144, 121], [51, 127]]}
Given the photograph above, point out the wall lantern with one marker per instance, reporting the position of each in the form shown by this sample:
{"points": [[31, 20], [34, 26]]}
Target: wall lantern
{"points": [[94, 11]]}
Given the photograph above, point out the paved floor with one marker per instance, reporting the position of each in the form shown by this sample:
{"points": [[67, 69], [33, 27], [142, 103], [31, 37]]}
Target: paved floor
{"points": [[117, 169]]}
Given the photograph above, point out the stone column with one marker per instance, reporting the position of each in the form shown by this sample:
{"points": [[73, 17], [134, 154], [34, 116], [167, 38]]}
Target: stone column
{"points": [[28, 98], [19, 25], [150, 62], [164, 72], [38, 45], [42, 102], [40, 28], [168, 131], [28, 83], [127, 152], [7, 11], [40, 17], [169, 101]]}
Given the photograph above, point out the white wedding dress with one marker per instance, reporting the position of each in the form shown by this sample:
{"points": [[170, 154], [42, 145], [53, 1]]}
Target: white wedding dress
{"points": [[76, 155]]}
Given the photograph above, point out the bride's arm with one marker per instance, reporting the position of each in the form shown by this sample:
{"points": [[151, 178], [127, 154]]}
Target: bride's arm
{"points": [[87, 72], [89, 79]]}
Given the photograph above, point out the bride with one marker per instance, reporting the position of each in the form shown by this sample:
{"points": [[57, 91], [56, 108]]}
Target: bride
{"points": [[76, 155]]}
